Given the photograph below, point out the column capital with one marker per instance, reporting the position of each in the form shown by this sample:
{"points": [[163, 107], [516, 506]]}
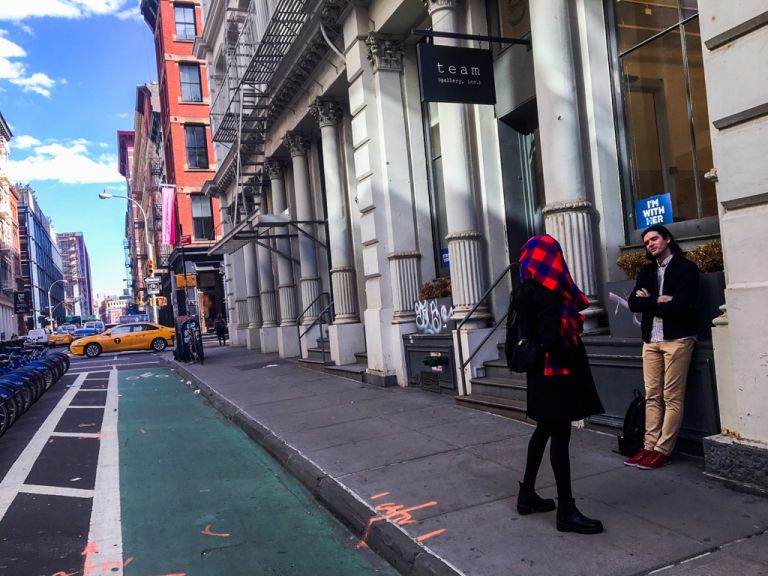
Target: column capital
{"points": [[297, 143], [435, 5], [385, 52], [327, 112], [274, 168]]}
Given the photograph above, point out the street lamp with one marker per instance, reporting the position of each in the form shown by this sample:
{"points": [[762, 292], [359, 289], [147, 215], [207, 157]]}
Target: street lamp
{"points": [[50, 308], [150, 250]]}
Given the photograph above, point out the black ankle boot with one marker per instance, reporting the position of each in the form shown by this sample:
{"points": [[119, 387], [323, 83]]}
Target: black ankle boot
{"points": [[569, 519], [528, 501]]}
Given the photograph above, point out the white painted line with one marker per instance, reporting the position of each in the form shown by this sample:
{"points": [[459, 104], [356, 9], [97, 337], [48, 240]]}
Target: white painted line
{"points": [[14, 480], [77, 435], [56, 491], [105, 538], [79, 407]]}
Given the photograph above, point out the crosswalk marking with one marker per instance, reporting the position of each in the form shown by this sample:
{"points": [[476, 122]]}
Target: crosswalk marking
{"points": [[56, 491], [14, 479], [105, 538]]}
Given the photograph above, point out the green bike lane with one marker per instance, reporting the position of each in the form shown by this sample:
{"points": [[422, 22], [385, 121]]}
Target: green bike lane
{"points": [[198, 497]]}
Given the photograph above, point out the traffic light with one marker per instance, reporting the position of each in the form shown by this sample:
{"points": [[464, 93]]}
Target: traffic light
{"points": [[150, 267], [160, 301]]}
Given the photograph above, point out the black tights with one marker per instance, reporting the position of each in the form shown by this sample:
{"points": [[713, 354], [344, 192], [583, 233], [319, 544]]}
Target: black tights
{"points": [[560, 433]]}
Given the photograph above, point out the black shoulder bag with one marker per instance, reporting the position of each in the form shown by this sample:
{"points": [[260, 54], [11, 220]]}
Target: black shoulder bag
{"points": [[520, 347]]}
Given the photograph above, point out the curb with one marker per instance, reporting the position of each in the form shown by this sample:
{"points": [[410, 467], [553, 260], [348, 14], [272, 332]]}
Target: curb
{"points": [[388, 540]]}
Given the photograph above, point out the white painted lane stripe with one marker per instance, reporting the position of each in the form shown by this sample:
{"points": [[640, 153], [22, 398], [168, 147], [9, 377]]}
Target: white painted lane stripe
{"points": [[56, 491], [79, 407], [13, 481], [76, 435], [105, 539]]}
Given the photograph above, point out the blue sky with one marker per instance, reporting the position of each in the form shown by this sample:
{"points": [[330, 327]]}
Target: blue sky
{"points": [[68, 76]]}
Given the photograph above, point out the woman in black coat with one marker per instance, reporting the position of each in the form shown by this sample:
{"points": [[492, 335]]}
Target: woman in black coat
{"points": [[560, 385]]}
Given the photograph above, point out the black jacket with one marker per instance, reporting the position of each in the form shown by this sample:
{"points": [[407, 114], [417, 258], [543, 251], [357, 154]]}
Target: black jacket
{"points": [[555, 398], [681, 281]]}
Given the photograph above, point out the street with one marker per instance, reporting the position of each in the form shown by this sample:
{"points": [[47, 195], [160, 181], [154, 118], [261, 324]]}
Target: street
{"points": [[120, 468]]}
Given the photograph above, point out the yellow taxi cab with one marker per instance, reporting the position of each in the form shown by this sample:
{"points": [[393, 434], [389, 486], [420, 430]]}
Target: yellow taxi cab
{"points": [[60, 338], [123, 337]]}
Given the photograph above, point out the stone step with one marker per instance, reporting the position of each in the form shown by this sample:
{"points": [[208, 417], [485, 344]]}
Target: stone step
{"points": [[313, 363], [508, 408], [505, 388], [499, 369], [362, 357], [351, 371], [317, 354]]}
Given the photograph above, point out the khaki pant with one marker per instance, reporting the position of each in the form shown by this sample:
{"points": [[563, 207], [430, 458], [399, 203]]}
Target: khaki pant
{"points": [[665, 370]]}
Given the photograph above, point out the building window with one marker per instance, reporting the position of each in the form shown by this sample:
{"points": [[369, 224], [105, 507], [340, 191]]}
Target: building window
{"points": [[197, 148], [661, 96], [189, 75], [185, 22], [202, 217]]}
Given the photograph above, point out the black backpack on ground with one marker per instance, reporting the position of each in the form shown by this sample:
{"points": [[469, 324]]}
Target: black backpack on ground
{"points": [[520, 345], [633, 432]]}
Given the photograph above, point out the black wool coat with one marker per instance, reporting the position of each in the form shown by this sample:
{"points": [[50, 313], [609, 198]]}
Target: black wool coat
{"points": [[555, 398], [681, 281]]}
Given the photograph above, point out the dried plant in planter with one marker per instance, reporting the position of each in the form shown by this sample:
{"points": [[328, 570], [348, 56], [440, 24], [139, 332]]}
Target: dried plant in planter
{"points": [[437, 288], [708, 257], [631, 262]]}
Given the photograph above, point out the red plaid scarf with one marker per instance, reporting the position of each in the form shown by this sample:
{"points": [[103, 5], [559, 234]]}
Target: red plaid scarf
{"points": [[541, 260]]}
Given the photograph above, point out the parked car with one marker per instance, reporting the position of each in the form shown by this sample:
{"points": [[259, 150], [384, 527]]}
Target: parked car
{"points": [[124, 337], [37, 336], [96, 325], [83, 332], [67, 328]]}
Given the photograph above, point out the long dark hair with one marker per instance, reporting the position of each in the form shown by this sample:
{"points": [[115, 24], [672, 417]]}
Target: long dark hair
{"points": [[666, 234]]}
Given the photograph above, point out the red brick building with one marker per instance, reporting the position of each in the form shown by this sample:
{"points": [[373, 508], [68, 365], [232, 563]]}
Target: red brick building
{"points": [[188, 158]]}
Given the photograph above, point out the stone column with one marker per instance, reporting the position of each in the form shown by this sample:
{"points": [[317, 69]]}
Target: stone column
{"points": [[464, 237], [229, 281], [268, 329], [568, 213], [386, 54], [346, 333], [252, 296], [298, 144], [287, 337]]}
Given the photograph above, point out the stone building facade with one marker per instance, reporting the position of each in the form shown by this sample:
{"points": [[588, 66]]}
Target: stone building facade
{"points": [[338, 183]]}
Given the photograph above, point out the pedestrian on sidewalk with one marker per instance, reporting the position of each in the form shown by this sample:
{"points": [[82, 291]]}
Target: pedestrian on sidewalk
{"points": [[560, 386], [666, 292], [221, 329]]}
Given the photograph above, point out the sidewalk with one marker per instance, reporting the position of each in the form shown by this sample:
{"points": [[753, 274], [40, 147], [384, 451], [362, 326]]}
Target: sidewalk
{"points": [[401, 465]]}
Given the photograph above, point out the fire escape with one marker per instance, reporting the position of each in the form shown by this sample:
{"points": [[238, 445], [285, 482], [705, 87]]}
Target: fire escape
{"points": [[265, 69]]}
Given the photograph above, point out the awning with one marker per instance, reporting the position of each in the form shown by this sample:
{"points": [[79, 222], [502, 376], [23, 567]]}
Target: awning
{"points": [[233, 240], [247, 231]]}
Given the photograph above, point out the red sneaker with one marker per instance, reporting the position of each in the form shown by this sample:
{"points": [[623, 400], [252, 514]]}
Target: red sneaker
{"points": [[637, 458], [653, 461]]}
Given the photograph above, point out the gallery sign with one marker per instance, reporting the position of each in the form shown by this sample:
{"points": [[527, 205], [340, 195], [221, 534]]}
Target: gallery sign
{"points": [[22, 302], [653, 210], [460, 75]]}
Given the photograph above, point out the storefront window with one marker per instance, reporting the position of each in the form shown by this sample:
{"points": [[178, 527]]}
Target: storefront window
{"points": [[663, 97]]}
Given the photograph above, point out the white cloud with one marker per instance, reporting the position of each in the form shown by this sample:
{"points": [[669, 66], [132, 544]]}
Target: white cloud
{"points": [[23, 141], [16, 72], [67, 162], [122, 115], [26, 29], [17, 10]]}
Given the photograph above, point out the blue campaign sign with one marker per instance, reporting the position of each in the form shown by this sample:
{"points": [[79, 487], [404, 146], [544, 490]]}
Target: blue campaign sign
{"points": [[444, 258], [653, 210]]}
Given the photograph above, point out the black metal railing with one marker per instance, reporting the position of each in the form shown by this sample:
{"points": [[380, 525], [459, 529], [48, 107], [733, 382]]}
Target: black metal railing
{"points": [[463, 363], [320, 320]]}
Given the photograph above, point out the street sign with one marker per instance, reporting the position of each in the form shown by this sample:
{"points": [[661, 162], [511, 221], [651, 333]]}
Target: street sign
{"points": [[186, 239], [153, 285]]}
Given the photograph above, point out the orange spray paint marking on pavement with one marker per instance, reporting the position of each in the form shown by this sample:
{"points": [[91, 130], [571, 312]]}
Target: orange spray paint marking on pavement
{"points": [[64, 573], [208, 532], [108, 567], [429, 535], [380, 495], [396, 513]]}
